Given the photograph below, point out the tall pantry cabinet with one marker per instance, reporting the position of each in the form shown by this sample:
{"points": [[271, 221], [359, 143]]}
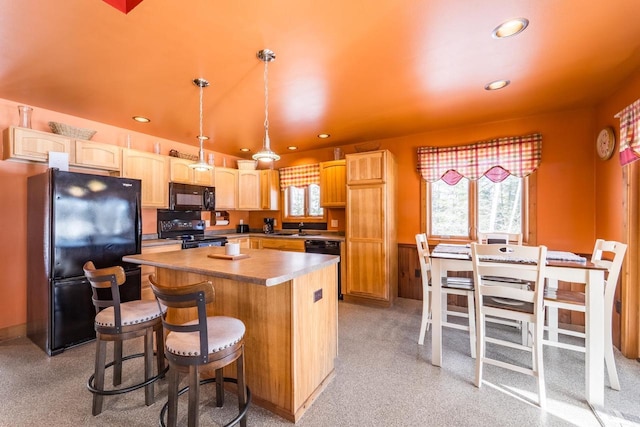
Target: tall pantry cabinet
{"points": [[372, 269]]}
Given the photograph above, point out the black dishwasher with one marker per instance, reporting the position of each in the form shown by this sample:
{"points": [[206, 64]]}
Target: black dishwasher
{"points": [[328, 247]]}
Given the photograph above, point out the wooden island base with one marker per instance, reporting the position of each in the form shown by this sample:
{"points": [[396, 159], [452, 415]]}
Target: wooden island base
{"points": [[291, 327]]}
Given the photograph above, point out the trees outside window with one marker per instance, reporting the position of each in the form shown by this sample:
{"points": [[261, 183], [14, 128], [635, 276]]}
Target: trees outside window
{"points": [[303, 203], [460, 210]]}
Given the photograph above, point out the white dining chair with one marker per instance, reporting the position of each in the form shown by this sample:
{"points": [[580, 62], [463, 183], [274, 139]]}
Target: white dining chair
{"points": [[511, 303], [450, 286], [555, 299], [503, 237]]}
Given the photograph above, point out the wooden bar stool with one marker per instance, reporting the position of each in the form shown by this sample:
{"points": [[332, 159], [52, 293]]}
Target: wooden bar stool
{"points": [[209, 342], [117, 322]]}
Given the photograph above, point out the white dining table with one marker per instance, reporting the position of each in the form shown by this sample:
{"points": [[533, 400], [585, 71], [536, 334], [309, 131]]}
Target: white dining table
{"points": [[457, 258]]}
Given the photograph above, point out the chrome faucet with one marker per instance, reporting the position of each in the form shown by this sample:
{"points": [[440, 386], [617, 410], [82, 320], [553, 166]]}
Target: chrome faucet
{"points": [[300, 227]]}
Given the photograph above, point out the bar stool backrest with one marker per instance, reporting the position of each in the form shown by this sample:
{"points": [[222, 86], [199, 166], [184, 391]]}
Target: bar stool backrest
{"points": [[197, 295]]}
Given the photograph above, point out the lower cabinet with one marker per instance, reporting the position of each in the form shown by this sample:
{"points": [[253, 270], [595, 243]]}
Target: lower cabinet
{"points": [[295, 245], [245, 242], [147, 293]]}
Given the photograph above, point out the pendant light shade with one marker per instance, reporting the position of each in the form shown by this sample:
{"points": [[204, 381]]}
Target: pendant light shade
{"points": [[266, 155], [201, 165]]}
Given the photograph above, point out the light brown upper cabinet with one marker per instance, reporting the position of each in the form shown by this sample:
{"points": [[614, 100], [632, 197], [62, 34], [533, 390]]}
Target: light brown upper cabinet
{"points": [[333, 184], [153, 171], [367, 168], [96, 155], [269, 190], [32, 145], [226, 181], [248, 189], [181, 172]]}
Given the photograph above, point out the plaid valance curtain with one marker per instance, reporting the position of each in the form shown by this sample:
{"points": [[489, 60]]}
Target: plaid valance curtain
{"points": [[496, 158], [300, 176], [629, 133]]}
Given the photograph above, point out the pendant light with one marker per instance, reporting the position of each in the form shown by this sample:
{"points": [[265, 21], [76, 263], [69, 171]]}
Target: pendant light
{"points": [[201, 165], [266, 155]]}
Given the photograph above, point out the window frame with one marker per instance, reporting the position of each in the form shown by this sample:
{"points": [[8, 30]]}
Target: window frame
{"points": [[529, 232], [306, 218]]}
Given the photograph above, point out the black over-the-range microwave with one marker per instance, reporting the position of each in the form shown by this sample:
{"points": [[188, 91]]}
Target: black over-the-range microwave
{"points": [[188, 197]]}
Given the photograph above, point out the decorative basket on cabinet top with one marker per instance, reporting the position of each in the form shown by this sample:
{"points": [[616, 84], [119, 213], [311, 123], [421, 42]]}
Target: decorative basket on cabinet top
{"points": [[74, 132], [246, 164]]}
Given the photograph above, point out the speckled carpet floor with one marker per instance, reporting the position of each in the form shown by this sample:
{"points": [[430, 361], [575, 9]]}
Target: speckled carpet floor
{"points": [[383, 378]]}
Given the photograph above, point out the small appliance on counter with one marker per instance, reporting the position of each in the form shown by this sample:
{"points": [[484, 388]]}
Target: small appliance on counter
{"points": [[242, 228], [268, 225]]}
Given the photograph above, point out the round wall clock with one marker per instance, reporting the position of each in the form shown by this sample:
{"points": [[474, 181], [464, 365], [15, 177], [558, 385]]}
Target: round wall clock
{"points": [[605, 143]]}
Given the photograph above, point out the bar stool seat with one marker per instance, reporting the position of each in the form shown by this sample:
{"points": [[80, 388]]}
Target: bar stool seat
{"points": [[208, 342], [118, 321]]}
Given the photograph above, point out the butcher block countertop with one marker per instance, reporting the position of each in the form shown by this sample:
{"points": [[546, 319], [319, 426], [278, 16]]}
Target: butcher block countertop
{"points": [[266, 267]]}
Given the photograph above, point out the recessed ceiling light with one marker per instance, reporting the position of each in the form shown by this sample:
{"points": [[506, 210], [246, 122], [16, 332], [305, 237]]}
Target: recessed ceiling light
{"points": [[141, 119], [324, 135], [510, 28], [245, 149], [292, 147], [497, 84]]}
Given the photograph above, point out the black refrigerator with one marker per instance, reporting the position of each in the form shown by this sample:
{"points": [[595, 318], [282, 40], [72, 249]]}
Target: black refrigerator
{"points": [[73, 218]]}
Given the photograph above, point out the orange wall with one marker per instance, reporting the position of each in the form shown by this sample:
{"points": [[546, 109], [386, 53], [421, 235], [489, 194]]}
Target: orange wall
{"points": [[566, 198], [609, 173]]}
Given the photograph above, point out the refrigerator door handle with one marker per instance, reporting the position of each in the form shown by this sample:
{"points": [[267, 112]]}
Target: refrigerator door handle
{"points": [[138, 224]]}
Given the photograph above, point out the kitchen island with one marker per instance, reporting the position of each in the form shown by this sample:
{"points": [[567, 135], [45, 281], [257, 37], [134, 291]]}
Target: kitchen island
{"points": [[288, 303]]}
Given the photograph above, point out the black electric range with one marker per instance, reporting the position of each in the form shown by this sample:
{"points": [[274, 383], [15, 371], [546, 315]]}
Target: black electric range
{"points": [[188, 227]]}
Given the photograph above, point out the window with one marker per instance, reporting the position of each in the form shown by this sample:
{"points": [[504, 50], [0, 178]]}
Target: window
{"points": [[484, 186], [301, 188], [447, 202], [460, 210], [303, 202], [500, 205]]}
